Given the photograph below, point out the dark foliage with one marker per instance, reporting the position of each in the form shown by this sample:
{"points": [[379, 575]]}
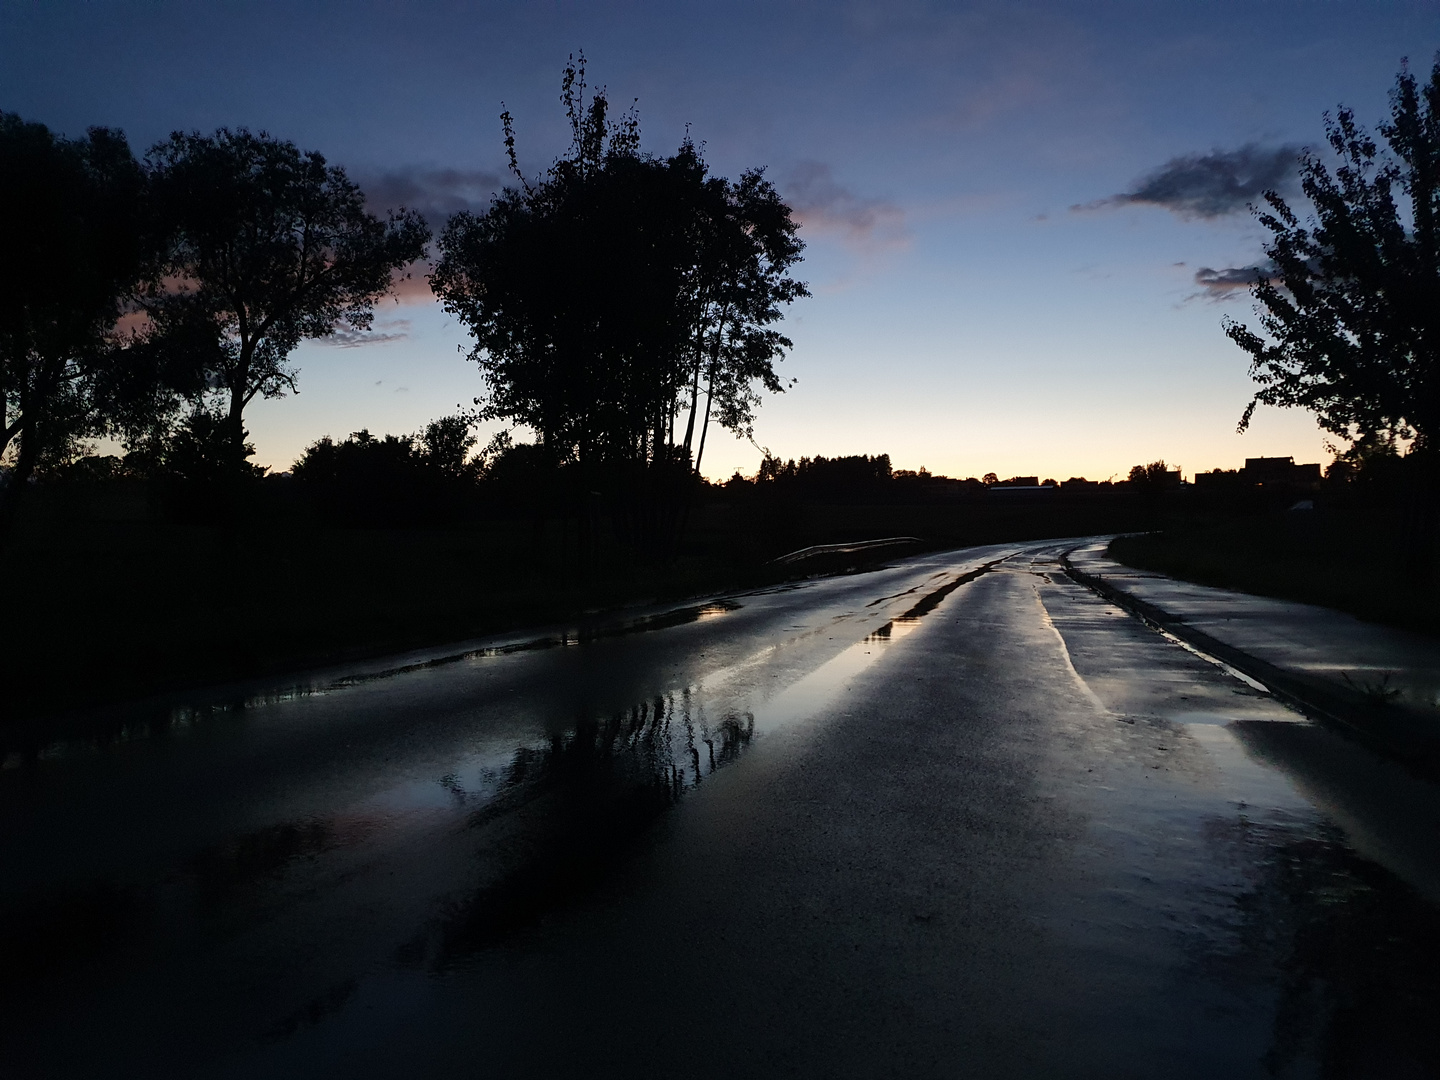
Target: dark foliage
{"points": [[197, 474], [263, 245], [609, 296], [1351, 319], [394, 480], [73, 248], [820, 475], [1153, 478]]}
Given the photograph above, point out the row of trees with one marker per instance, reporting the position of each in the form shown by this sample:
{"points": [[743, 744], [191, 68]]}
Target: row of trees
{"points": [[152, 300]]}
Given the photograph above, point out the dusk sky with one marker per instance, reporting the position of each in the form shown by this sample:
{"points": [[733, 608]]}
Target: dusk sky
{"points": [[1023, 220]]}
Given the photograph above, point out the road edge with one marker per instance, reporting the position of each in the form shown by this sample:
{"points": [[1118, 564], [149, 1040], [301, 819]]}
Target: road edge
{"points": [[1394, 730]]}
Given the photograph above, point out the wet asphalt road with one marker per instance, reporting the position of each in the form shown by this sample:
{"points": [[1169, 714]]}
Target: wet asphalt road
{"points": [[956, 817]]}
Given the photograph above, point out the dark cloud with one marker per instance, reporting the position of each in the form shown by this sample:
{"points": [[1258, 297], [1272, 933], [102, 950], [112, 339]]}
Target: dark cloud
{"points": [[436, 193], [343, 337], [1218, 284], [1214, 184], [821, 203]]}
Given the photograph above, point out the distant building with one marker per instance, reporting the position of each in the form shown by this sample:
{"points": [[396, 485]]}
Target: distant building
{"points": [[1279, 470], [1218, 478], [1262, 472]]}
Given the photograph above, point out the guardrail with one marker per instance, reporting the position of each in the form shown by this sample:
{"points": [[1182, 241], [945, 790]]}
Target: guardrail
{"points": [[843, 549]]}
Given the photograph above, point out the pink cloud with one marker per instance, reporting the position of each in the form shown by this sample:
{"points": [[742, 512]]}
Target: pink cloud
{"points": [[822, 204]]}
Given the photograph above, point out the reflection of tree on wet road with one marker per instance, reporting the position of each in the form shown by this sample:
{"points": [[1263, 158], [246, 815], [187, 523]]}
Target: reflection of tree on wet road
{"points": [[957, 815], [601, 785]]}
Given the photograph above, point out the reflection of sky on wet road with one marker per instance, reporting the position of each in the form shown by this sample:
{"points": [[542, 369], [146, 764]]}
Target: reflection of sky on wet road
{"points": [[951, 811]]}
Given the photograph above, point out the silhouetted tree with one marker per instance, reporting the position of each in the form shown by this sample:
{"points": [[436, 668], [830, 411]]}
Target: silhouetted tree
{"points": [[195, 470], [1351, 323], [264, 245], [72, 247], [1154, 476], [742, 280], [393, 479], [820, 475], [1372, 460], [605, 298], [445, 446]]}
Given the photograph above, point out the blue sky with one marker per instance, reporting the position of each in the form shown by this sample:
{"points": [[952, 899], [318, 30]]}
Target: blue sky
{"points": [[1006, 205]]}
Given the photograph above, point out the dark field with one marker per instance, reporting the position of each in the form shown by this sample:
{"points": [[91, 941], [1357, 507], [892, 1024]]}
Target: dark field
{"points": [[1368, 561]]}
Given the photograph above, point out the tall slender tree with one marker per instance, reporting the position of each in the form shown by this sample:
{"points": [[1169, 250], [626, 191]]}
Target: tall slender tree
{"points": [[742, 282]]}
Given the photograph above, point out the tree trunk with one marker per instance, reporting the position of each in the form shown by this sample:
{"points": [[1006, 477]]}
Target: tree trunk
{"points": [[14, 491], [235, 424], [239, 398], [694, 405], [705, 427], [6, 433]]}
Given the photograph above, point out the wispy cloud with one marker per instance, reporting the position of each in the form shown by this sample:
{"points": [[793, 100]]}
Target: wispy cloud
{"points": [[1221, 283], [436, 193], [822, 204], [343, 337], [1211, 185]]}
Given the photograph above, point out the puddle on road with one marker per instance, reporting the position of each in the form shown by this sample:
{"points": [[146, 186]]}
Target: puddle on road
{"points": [[594, 790], [1347, 952], [105, 730], [605, 781]]}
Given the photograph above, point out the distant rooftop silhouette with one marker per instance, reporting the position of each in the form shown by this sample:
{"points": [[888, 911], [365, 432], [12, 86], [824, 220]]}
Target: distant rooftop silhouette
{"points": [[1262, 471]]}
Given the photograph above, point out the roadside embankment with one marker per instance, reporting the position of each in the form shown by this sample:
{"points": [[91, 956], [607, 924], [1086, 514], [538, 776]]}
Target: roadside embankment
{"points": [[1364, 559]]}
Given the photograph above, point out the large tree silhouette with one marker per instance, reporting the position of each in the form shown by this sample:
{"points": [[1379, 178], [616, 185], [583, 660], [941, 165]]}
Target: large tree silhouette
{"points": [[1351, 320], [72, 247], [606, 297], [265, 245]]}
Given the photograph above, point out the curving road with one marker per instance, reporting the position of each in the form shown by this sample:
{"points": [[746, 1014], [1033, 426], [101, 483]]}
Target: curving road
{"points": [[955, 817]]}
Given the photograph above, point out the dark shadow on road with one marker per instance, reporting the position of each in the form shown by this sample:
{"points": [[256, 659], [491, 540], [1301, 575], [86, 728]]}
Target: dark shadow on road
{"points": [[1353, 952]]}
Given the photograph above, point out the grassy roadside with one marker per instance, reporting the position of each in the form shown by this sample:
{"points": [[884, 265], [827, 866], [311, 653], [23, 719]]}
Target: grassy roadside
{"points": [[127, 609], [101, 610], [1348, 560]]}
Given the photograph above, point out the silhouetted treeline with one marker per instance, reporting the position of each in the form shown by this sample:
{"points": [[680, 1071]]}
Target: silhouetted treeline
{"points": [[423, 479], [619, 303], [152, 300], [828, 476]]}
